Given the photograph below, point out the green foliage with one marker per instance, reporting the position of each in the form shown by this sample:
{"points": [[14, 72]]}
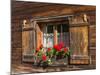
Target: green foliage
{"points": [[50, 55]]}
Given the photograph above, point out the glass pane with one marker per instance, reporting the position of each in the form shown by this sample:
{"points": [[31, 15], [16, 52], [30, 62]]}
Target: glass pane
{"points": [[59, 28], [63, 34], [66, 39], [44, 40], [48, 36], [50, 40], [50, 29], [65, 28]]}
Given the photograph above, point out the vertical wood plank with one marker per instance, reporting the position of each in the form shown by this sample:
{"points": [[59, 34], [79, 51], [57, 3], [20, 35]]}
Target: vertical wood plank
{"points": [[55, 37], [39, 35], [79, 45]]}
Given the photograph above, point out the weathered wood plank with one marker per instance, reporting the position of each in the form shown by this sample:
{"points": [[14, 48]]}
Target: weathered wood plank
{"points": [[92, 35], [79, 45]]}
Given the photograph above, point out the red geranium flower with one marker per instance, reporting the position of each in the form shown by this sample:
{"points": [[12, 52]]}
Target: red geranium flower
{"points": [[57, 47], [65, 49], [44, 58], [61, 44], [49, 49], [37, 49]]}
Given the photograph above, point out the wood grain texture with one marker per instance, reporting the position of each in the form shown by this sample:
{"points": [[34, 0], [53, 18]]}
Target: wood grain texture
{"points": [[46, 9], [28, 40], [26, 10], [79, 45], [39, 36]]}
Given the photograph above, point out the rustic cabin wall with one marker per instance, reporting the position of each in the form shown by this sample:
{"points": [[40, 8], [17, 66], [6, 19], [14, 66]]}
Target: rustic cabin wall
{"points": [[92, 37], [16, 41], [16, 34], [45, 11]]}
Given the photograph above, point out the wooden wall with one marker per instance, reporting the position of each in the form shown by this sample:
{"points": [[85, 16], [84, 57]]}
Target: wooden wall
{"points": [[16, 40], [92, 37], [19, 15]]}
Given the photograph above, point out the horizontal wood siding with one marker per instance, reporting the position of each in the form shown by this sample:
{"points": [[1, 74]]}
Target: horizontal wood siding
{"points": [[24, 10], [16, 41]]}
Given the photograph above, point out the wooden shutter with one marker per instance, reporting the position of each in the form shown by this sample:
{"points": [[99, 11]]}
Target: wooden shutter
{"points": [[28, 40], [79, 45], [39, 35]]}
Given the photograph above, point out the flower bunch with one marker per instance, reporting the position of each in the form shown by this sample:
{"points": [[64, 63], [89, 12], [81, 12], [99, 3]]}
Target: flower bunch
{"points": [[47, 54], [58, 47]]}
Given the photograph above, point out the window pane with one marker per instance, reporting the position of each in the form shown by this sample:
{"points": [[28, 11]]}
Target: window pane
{"points": [[59, 28], [50, 29], [50, 40], [66, 39], [44, 40], [63, 34], [65, 28], [48, 36]]}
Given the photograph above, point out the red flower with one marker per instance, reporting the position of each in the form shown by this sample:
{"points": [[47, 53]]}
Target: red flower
{"points": [[57, 47], [49, 49], [41, 46], [44, 58], [65, 49], [37, 49], [61, 44]]}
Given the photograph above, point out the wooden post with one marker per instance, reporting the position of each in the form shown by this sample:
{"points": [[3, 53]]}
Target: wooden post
{"points": [[55, 36]]}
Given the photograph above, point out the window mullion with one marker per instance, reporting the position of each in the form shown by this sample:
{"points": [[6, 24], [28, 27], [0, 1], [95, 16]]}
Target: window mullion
{"points": [[46, 35], [55, 35], [61, 34]]}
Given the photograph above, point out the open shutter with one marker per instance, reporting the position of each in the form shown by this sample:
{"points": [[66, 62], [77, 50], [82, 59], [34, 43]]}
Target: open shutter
{"points": [[39, 35], [79, 45], [28, 40]]}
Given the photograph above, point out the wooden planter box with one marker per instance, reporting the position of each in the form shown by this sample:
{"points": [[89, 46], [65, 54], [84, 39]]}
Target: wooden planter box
{"points": [[55, 61]]}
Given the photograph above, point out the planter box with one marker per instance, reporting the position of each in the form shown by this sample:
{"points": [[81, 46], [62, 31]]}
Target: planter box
{"points": [[55, 62], [59, 62]]}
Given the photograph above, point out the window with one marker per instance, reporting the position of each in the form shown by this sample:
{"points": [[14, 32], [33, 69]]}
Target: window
{"points": [[54, 34], [51, 33]]}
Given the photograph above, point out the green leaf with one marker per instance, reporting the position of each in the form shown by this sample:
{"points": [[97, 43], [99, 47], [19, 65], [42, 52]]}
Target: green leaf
{"points": [[49, 61], [40, 54], [33, 51]]}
